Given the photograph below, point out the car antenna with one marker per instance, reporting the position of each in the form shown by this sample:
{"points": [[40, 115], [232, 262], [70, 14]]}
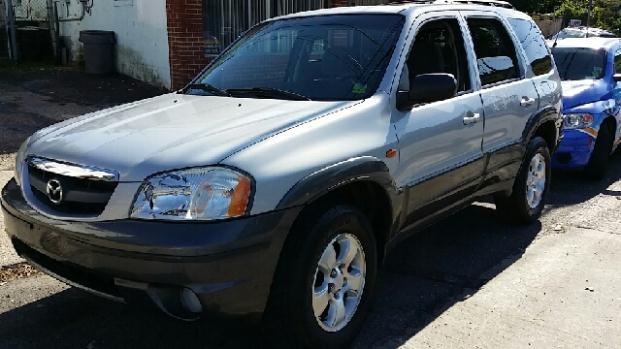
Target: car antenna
{"points": [[557, 35]]}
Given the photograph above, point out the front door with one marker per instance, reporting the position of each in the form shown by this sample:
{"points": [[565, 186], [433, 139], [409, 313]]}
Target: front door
{"points": [[440, 142]]}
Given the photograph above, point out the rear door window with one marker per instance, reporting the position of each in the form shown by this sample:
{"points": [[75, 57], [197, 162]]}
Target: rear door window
{"points": [[534, 46], [496, 58]]}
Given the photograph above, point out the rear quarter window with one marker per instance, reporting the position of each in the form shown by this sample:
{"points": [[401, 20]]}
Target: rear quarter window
{"points": [[534, 46]]}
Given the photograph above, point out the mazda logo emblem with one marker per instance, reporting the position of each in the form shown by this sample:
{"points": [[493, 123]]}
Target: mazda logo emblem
{"points": [[54, 191]]}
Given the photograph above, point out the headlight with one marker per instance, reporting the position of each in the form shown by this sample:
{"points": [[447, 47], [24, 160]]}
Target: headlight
{"points": [[20, 157], [577, 120], [206, 193]]}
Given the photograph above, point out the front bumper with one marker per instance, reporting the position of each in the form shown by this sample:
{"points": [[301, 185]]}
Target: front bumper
{"points": [[575, 149], [186, 269]]}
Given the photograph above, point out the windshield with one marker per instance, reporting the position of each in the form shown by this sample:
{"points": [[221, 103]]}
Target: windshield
{"points": [[575, 63], [324, 58]]}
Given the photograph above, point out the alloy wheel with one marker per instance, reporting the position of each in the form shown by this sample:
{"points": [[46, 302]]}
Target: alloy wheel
{"points": [[536, 181], [339, 282]]}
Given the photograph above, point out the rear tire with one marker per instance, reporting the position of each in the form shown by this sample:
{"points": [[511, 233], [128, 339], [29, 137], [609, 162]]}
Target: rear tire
{"points": [[598, 164], [531, 186], [304, 284]]}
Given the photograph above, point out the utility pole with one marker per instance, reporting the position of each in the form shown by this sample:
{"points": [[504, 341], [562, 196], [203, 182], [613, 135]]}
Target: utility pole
{"points": [[589, 17], [10, 23], [51, 20]]}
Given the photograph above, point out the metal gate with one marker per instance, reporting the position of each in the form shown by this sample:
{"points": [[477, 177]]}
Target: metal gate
{"points": [[225, 20], [6, 20], [30, 10], [23, 22]]}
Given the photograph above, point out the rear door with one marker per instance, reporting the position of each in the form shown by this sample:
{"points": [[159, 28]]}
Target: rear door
{"points": [[509, 97]]}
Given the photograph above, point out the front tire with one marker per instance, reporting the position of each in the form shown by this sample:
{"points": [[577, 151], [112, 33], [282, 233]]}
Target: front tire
{"points": [[531, 186], [598, 164], [324, 282]]}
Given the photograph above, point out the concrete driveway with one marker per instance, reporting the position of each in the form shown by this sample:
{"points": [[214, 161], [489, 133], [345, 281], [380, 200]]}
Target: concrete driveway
{"points": [[468, 282]]}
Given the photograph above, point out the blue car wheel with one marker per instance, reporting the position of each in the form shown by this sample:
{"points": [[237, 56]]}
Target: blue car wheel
{"points": [[598, 164]]}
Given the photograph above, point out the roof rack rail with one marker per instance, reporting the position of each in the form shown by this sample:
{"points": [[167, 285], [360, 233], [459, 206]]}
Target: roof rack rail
{"points": [[495, 3]]}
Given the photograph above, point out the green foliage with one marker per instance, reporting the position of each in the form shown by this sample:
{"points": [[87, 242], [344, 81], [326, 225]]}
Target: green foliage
{"points": [[538, 6], [572, 8], [607, 14]]}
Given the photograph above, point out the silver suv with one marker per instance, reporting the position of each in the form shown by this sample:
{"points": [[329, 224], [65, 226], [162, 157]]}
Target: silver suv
{"points": [[280, 178]]}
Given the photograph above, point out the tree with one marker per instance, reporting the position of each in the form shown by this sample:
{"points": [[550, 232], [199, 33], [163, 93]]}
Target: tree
{"points": [[572, 8], [541, 6], [607, 14]]}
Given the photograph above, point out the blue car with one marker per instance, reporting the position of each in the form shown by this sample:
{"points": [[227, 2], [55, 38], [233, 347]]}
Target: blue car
{"points": [[591, 70]]}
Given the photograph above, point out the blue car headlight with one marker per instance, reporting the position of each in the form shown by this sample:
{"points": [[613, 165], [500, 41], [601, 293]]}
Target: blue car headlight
{"points": [[577, 120]]}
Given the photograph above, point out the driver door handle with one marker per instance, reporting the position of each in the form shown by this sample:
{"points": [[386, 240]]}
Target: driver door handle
{"points": [[527, 102], [472, 118]]}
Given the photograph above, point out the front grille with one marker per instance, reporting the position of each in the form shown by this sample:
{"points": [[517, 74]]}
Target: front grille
{"points": [[80, 196], [73, 273]]}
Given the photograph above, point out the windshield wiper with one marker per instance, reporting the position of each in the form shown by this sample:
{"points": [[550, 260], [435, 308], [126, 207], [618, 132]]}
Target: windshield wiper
{"points": [[269, 92], [210, 89]]}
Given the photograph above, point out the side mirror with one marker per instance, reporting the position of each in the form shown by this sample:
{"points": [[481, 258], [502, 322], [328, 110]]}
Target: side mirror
{"points": [[427, 88], [617, 77]]}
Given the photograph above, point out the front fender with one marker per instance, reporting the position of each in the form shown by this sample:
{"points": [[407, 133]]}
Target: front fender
{"points": [[321, 182], [600, 111]]}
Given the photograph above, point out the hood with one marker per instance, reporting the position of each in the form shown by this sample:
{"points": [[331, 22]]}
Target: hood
{"points": [[581, 92], [170, 132]]}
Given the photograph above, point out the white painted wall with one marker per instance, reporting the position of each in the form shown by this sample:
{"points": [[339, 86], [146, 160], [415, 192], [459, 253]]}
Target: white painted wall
{"points": [[141, 34]]}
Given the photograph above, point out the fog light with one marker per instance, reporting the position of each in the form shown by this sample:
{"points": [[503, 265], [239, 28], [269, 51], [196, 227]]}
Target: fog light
{"points": [[190, 301]]}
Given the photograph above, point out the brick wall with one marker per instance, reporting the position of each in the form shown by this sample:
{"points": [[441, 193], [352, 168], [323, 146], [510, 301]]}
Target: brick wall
{"points": [[185, 40]]}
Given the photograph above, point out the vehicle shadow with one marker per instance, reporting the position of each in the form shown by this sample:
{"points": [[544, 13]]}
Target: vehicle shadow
{"points": [[75, 319], [570, 187], [439, 267]]}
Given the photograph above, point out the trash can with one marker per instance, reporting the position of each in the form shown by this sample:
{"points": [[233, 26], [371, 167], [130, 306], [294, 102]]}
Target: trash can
{"points": [[98, 51]]}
